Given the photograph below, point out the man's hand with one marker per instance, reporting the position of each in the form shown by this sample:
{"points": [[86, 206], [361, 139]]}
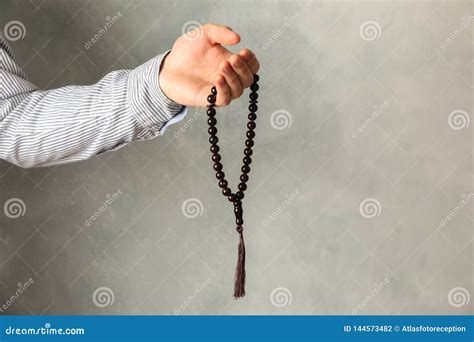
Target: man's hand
{"points": [[198, 60]]}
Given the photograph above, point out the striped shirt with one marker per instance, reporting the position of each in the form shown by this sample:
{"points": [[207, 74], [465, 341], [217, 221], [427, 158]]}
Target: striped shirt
{"points": [[72, 123]]}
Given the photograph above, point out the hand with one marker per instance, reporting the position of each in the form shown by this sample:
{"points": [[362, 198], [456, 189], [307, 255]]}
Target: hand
{"points": [[198, 61]]}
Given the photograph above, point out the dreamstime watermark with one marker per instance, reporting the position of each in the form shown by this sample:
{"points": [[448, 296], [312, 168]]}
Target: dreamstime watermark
{"points": [[281, 297], [370, 208], [455, 211], [197, 291], [287, 22], [459, 119], [47, 329], [192, 30], [281, 119], [21, 288], [370, 30], [459, 297], [284, 205], [377, 110], [452, 37], [110, 21], [192, 208], [189, 122], [103, 296], [14, 30], [107, 203], [14, 208], [376, 288]]}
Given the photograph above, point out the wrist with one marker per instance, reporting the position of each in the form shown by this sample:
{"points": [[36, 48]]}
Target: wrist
{"points": [[165, 77]]}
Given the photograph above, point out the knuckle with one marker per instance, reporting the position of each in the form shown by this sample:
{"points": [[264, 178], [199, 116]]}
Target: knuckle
{"points": [[255, 66], [227, 69], [246, 81], [237, 61], [226, 100], [234, 80], [249, 79], [247, 52]]}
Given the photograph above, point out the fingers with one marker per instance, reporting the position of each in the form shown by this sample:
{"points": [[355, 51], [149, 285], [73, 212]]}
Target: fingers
{"points": [[223, 91], [251, 60], [232, 80], [235, 74], [242, 70], [218, 34]]}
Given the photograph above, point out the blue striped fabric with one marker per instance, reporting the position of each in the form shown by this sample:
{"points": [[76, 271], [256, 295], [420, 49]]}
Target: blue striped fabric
{"points": [[72, 123]]}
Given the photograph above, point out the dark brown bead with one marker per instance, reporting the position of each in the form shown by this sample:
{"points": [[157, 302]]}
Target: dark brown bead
{"points": [[250, 125], [216, 157], [212, 98], [212, 130], [250, 134], [242, 186], [211, 111], [253, 87], [214, 148], [220, 175], [223, 183], [256, 78], [245, 168], [253, 96], [226, 191], [253, 107], [252, 116], [217, 166], [211, 121], [240, 195], [248, 151], [213, 139], [249, 142], [232, 198], [214, 90], [239, 229], [239, 222], [247, 160], [244, 178]]}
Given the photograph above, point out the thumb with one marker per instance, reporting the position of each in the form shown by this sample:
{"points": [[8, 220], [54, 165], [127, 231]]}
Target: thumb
{"points": [[218, 34]]}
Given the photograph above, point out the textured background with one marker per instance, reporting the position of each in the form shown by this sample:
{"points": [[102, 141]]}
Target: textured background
{"points": [[360, 199]]}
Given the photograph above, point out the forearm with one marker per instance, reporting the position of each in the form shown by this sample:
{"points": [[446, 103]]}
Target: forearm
{"points": [[42, 128]]}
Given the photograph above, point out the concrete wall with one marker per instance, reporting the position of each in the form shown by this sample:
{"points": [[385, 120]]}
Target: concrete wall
{"points": [[363, 149]]}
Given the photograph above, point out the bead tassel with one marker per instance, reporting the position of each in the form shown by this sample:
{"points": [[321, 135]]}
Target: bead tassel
{"points": [[239, 281]]}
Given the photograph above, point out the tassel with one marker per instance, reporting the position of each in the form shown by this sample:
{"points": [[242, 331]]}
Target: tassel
{"points": [[239, 279], [239, 282]]}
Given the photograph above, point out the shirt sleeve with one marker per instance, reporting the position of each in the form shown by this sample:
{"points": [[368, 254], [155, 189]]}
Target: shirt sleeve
{"points": [[72, 123]]}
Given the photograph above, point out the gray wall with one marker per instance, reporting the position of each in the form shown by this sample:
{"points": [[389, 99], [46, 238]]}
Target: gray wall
{"points": [[364, 148]]}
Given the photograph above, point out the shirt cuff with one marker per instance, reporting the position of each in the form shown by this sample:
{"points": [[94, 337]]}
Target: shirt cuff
{"points": [[177, 118], [150, 106]]}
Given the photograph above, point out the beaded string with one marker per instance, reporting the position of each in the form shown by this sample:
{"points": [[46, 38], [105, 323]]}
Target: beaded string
{"points": [[235, 198]]}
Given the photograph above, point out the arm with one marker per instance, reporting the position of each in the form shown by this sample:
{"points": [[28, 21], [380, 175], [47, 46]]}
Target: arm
{"points": [[42, 128], [47, 127]]}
